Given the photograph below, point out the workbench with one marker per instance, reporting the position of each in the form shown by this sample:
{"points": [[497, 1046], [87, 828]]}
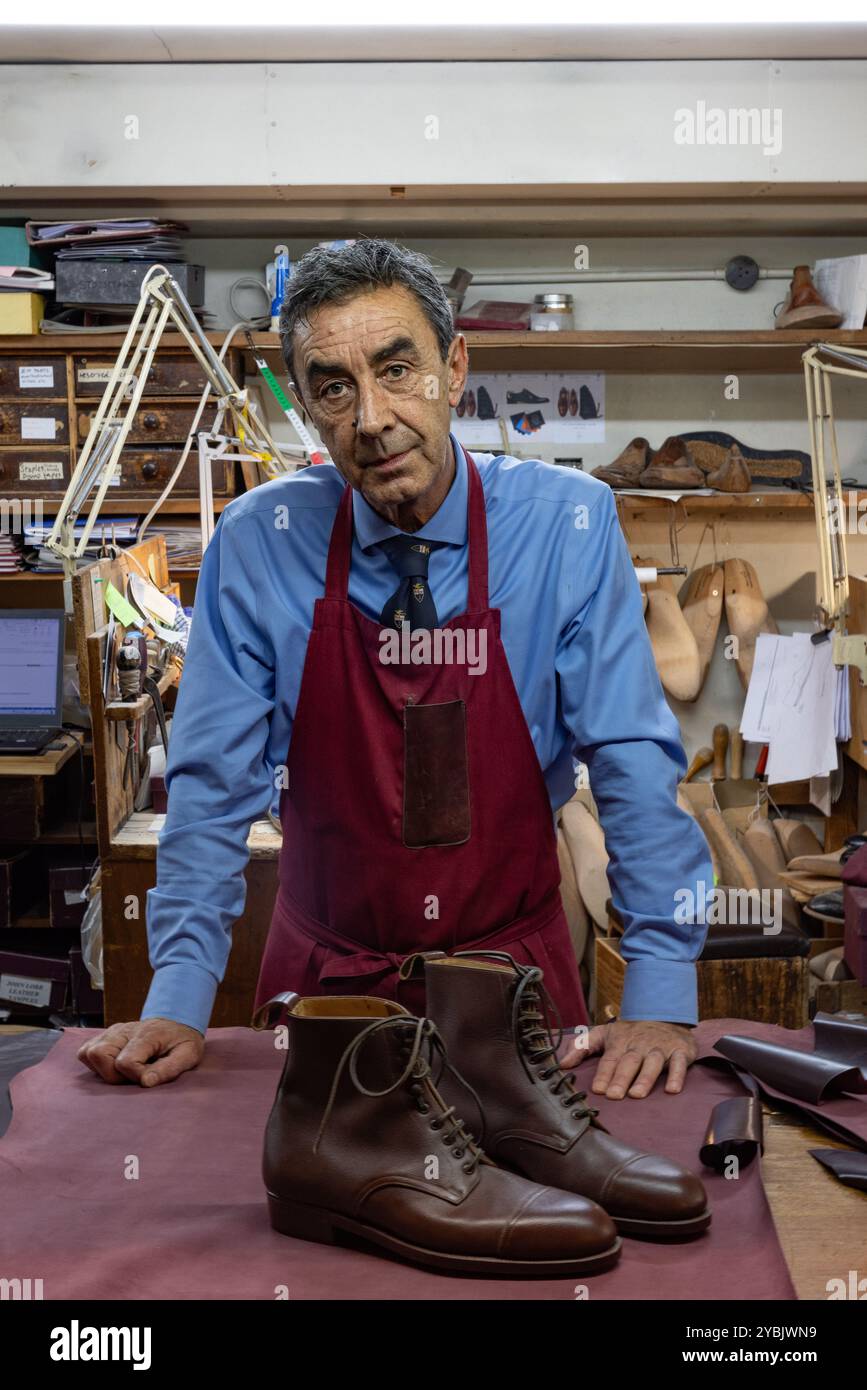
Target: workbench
{"points": [[195, 1225]]}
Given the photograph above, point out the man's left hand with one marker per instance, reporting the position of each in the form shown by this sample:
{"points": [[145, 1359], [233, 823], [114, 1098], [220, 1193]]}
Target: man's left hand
{"points": [[634, 1055]]}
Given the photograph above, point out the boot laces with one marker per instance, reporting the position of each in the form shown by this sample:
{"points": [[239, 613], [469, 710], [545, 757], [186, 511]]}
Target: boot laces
{"points": [[537, 1044], [420, 1040]]}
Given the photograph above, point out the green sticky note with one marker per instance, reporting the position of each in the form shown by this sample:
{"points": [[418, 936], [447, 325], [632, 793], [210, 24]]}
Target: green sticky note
{"points": [[121, 607]]}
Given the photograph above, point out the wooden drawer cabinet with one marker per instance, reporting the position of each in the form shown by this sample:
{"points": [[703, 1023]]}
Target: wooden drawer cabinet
{"points": [[34, 422], [34, 377], [170, 375], [28, 472], [49, 397], [156, 422], [148, 470]]}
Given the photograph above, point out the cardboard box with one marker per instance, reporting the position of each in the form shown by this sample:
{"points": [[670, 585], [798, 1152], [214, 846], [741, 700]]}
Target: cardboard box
{"points": [[66, 905], [21, 312], [32, 986]]}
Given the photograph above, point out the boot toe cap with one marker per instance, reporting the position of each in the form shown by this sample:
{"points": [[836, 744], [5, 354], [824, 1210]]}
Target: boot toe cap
{"points": [[655, 1189], [558, 1226]]}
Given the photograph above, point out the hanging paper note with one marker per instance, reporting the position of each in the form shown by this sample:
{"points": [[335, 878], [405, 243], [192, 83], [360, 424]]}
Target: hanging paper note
{"points": [[121, 607]]}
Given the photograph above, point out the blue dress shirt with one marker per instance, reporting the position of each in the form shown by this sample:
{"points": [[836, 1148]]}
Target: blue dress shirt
{"points": [[580, 656]]}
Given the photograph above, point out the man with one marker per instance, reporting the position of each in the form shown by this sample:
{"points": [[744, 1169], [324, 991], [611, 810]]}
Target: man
{"points": [[418, 790]]}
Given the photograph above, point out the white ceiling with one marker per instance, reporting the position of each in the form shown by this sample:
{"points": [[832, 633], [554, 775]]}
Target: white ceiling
{"points": [[161, 44]]}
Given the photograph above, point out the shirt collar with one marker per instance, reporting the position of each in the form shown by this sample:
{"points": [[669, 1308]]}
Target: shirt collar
{"points": [[447, 525]]}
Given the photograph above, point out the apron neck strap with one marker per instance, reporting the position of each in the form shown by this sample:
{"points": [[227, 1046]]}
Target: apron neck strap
{"points": [[340, 547]]}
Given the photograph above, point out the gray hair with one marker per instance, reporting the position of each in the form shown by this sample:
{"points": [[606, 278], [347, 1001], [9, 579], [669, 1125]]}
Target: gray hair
{"points": [[329, 275]]}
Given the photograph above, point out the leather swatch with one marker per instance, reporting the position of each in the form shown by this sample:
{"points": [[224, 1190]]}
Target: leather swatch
{"points": [[735, 1129], [847, 1165], [802, 1075]]}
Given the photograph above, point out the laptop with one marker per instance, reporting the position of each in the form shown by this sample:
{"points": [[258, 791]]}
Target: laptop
{"points": [[31, 678]]}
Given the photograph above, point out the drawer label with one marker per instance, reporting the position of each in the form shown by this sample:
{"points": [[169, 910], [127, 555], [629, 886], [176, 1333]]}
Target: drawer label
{"points": [[100, 375], [34, 427], [29, 377], [21, 990], [45, 469]]}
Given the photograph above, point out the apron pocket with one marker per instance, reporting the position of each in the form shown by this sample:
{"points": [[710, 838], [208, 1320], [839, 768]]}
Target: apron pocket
{"points": [[436, 787]]}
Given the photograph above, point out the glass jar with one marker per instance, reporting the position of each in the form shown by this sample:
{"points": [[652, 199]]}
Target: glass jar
{"points": [[552, 313]]}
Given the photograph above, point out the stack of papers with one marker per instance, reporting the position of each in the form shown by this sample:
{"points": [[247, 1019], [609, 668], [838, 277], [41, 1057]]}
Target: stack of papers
{"points": [[11, 557], [37, 556], [794, 704], [842, 282], [102, 233], [23, 278], [183, 543]]}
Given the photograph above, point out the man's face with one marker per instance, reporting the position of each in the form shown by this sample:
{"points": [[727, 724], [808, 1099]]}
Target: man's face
{"points": [[370, 373]]}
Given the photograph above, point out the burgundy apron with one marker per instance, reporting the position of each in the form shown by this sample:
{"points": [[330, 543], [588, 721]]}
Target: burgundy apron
{"points": [[415, 815]]}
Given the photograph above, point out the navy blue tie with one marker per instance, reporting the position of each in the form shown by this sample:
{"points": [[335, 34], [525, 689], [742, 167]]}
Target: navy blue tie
{"points": [[411, 601]]}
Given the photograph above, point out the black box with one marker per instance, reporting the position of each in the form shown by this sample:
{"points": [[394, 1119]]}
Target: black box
{"points": [[100, 283]]}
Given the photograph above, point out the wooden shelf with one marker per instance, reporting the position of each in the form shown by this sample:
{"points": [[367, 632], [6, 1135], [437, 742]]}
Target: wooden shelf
{"points": [[67, 834], [122, 506], [46, 764], [767, 501], [691, 352]]}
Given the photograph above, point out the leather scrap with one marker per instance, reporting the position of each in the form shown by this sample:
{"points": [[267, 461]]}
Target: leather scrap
{"points": [[842, 1037], [801, 1075], [735, 1129], [847, 1165]]}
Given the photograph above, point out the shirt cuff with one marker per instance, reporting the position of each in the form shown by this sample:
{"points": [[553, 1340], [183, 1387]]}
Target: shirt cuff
{"points": [[660, 990], [183, 993]]}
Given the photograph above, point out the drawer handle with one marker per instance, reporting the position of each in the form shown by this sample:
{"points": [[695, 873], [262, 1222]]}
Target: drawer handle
{"points": [[151, 422], [149, 469]]}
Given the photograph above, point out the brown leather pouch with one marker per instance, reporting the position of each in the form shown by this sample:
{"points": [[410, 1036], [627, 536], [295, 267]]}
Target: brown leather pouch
{"points": [[436, 786]]}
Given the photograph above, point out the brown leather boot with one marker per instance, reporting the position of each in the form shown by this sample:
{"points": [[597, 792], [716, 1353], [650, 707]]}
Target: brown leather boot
{"points": [[672, 466], [360, 1143], [491, 1013], [804, 306], [627, 468]]}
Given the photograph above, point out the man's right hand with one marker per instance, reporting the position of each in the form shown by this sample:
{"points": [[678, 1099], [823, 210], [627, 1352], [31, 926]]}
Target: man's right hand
{"points": [[149, 1052]]}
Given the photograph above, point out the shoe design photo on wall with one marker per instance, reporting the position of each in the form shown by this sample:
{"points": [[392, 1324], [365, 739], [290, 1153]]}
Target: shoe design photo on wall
{"points": [[500, 406]]}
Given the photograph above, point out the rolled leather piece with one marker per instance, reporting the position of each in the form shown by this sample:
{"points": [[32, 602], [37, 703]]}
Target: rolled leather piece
{"points": [[735, 1129], [739, 941], [847, 1165], [802, 1075], [842, 1037]]}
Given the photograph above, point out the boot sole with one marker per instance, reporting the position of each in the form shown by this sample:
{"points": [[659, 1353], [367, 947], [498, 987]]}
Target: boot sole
{"points": [[326, 1227], [663, 1230]]}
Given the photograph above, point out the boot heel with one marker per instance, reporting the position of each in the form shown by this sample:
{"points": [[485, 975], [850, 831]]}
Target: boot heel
{"points": [[307, 1223]]}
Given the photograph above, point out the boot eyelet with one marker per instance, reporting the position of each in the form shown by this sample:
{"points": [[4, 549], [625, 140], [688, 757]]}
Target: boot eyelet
{"points": [[468, 1167], [435, 1124], [459, 1153], [424, 1109]]}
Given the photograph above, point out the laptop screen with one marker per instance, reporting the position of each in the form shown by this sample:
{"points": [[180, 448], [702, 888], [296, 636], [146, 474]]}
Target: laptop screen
{"points": [[31, 668]]}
